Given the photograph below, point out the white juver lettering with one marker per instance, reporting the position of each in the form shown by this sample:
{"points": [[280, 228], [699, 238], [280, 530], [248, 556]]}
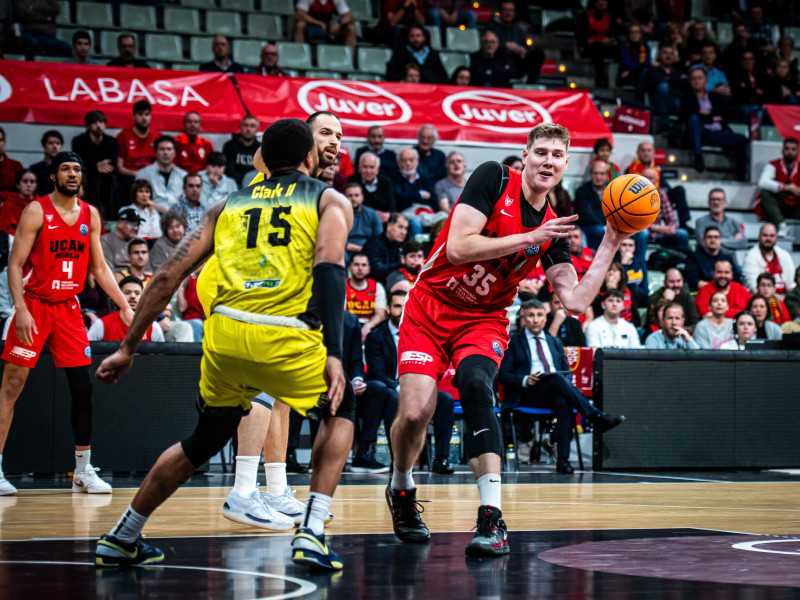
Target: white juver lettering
{"points": [[490, 114], [375, 108], [50, 93], [109, 89], [159, 86], [189, 95], [378, 109], [79, 88]]}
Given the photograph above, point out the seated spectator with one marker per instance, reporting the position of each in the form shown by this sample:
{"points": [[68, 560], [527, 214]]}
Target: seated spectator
{"points": [[778, 312], [411, 188], [13, 203], [765, 328], [380, 351], [700, 264], [240, 149], [139, 261], [314, 20], [366, 222], [491, 66], [665, 82], [655, 317], [581, 256], [515, 162], [665, 230], [189, 305], [378, 189], [779, 187], [165, 178], [750, 89], [333, 177], [93, 300], [432, 161], [448, 189], [562, 325], [395, 19], [100, 153], [744, 326], [461, 76], [692, 51], [191, 150], [602, 152], [785, 83], [37, 24], [366, 298], [645, 157], [730, 229], [115, 243], [449, 13], [190, 204], [716, 329], [673, 290], [387, 159], [142, 202], [416, 50], [644, 14], [269, 62], [52, 141], [588, 205], [173, 228], [216, 185], [767, 257], [615, 280], [222, 63], [730, 58], [707, 116], [411, 260], [81, 49], [675, 36], [634, 59], [112, 328], [673, 335], [136, 149], [174, 330], [528, 59], [560, 201], [8, 166], [785, 52], [635, 271], [717, 81], [610, 330], [760, 29], [792, 298], [722, 281], [595, 34], [412, 73], [384, 252], [126, 55]]}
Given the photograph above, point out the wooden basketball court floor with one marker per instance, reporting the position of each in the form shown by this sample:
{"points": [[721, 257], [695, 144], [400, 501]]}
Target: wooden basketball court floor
{"points": [[731, 535]]}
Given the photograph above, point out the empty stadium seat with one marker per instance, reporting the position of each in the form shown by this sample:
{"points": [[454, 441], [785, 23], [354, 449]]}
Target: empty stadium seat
{"points": [[335, 58], [207, 4], [220, 22], [181, 20], [294, 55], [794, 33], [242, 5], [549, 17], [138, 17], [200, 48], [364, 77], [452, 60], [247, 52], [323, 75], [163, 47], [185, 66], [64, 17], [462, 41], [361, 9], [264, 27], [434, 37], [97, 15], [280, 7], [724, 33], [373, 60]]}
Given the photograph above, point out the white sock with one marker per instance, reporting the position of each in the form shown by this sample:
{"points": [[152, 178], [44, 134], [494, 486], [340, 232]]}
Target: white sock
{"points": [[82, 460], [316, 512], [402, 480], [246, 475], [489, 489], [1, 467], [276, 478], [129, 526]]}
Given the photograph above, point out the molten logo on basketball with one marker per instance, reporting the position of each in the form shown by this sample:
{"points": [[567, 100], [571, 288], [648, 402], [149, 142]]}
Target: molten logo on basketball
{"points": [[356, 102]]}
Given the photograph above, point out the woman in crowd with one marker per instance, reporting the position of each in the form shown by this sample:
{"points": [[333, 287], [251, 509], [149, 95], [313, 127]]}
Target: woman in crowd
{"points": [[765, 329], [744, 325], [634, 57], [173, 226], [786, 85], [142, 202], [461, 76], [617, 279], [713, 331]]}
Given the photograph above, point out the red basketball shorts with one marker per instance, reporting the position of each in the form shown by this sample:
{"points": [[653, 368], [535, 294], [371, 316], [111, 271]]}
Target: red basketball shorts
{"points": [[434, 334], [60, 326]]}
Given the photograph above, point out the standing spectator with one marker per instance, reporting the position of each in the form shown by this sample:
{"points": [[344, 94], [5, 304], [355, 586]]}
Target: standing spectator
{"points": [[634, 58], [665, 230], [595, 34], [191, 150], [744, 326], [269, 62], [139, 261], [722, 281], [602, 152], [432, 161], [609, 330], [8, 166], [700, 264], [240, 149], [99, 152], [449, 189], [395, 19], [417, 50], [314, 20], [792, 298], [136, 149], [411, 260], [673, 290], [173, 228], [165, 178], [366, 298], [126, 55], [588, 204], [375, 139], [449, 13], [141, 199], [384, 252], [777, 309], [222, 63], [37, 22], [82, 49], [778, 186], [366, 222], [115, 243], [190, 204], [767, 257], [665, 82], [716, 329], [216, 185], [765, 329], [730, 229], [491, 66], [673, 336], [378, 189], [527, 58], [112, 328], [52, 141]]}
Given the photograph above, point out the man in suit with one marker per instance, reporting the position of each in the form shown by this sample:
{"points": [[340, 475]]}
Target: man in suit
{"points": [[535, 373], [381, 354]]}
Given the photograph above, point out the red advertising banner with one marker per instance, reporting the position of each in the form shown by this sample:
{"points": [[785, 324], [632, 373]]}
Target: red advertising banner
{"points": [[786, 119], [63, 93], [478, 115]]}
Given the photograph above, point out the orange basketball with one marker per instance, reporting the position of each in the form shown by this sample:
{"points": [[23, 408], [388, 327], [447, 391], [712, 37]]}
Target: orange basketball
{"points": [[631, 203]]}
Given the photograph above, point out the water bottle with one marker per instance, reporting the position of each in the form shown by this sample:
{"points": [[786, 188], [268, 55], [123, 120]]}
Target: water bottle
{"points": [[511, 459], [433, 446], [382, 454], [454, 457]]}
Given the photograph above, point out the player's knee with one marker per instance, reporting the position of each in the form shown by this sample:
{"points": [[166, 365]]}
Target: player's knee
{"points": [[415, 418], [475, 380], [215, 427], [80, 383]]}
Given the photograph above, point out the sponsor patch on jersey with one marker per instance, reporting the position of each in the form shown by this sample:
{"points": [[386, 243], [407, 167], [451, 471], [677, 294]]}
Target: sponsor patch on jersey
{"points": [[87, 352], [415, 357], [84, 229], [22, 352], [509, 200], [531, 250], [262, 283], [498, 349]]}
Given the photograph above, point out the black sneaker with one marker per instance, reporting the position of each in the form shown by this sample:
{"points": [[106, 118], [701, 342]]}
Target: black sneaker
{"points": [[405, 510], [603, 422], [442, 466], [367, 463], [113, 552], [491, 537]]}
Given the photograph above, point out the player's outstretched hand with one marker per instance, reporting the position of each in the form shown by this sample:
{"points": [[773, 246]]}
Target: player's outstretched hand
{"points": [[113, 367], [26, 327], [334, 377], [552, 229]]}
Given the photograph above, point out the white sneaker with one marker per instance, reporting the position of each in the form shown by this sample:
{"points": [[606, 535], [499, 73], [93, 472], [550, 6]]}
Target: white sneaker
{"points": [[783, 230], [286, 504], [88, 482], [253, 510], [6, 489]]}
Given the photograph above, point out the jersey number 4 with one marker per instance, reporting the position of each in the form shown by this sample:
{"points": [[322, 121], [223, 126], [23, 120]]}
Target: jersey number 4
{"points": [[277, 219]]}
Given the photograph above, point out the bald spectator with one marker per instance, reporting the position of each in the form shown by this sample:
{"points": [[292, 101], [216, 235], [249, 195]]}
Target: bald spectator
{"points": [[767, 257], [240, 149], [269, 62], [417, 50], [221, 49], [314, 20], [375, 144], [779, 187], [52, 141], [673, 290], [378, 189], [432, 162], [722, 281], [191, 150], [449, 189], [126, 54], [8, 167], [491, 66]]}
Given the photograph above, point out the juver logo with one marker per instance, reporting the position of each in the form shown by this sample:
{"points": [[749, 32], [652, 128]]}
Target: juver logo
{"points": [[356, 102], [495, 110], [5, 89]]}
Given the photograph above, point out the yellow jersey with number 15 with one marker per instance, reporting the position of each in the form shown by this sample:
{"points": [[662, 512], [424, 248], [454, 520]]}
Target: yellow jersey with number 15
{"points": [[264, 245]]}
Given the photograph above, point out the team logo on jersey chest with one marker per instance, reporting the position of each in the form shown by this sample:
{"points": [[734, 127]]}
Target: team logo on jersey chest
{"points": [[509, 200], [49, 217], [532, 250], [84, 229]]}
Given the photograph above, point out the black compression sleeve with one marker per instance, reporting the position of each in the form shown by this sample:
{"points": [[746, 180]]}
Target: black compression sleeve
{"points": [[327, 302]]}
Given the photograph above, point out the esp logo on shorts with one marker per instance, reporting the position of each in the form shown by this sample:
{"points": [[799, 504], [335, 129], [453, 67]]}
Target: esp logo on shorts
{"points": [[415, 357]]}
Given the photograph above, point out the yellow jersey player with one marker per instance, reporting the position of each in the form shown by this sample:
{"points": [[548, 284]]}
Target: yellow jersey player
{"points": [[276, 326]]}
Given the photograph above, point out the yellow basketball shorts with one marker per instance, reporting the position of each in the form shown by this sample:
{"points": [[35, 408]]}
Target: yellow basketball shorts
{"points": [[241, 360]]}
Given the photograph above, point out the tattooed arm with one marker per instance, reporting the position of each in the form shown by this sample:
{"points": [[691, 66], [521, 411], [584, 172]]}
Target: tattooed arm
{"points": [[193, 251]]}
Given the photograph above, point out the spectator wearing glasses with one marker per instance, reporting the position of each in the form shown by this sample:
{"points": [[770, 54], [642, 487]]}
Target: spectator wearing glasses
{"points": [[269, 62]]}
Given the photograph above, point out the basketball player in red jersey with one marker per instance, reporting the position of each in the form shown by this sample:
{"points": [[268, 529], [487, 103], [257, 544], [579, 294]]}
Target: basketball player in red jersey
{"points": [[500, 229], [57, 240]]}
